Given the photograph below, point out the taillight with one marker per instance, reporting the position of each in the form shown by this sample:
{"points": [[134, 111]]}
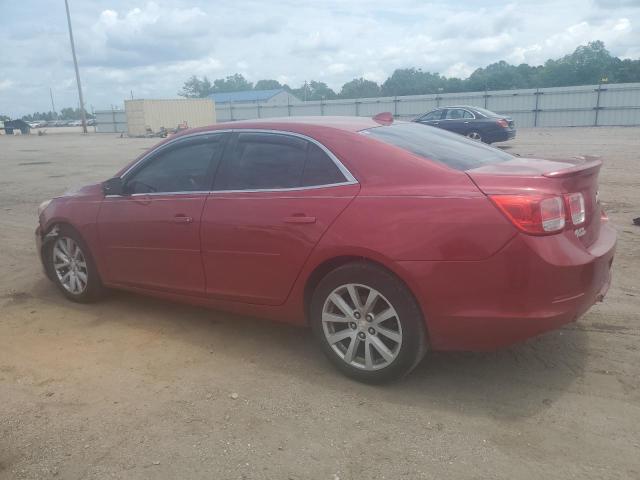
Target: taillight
{"points": [[533, 214], [575, 202], [503, 123]]}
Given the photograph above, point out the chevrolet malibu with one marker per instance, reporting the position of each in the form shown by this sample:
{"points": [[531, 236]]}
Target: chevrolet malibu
{"points": [[388, 238]]}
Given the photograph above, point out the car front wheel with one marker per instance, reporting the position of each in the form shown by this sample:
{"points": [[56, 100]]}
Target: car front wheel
{"points": [[72, 268], [368, 323]]}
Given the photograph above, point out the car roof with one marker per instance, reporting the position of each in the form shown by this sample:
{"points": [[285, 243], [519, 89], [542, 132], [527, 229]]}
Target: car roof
{"points": [[469, 107], [348, 124]]}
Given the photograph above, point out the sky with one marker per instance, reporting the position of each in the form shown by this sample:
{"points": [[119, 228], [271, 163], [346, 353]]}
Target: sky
{"points": [[152, 47]]}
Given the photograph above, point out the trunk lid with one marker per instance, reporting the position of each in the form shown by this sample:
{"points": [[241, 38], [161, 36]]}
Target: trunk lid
{"points": [[523, 176]]}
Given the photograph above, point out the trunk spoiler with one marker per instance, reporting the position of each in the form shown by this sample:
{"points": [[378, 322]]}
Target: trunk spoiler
{"points": [[590, 164]]}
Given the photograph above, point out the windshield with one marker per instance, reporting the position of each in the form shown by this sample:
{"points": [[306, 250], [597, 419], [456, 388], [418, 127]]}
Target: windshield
{"points": [[432, 143]]}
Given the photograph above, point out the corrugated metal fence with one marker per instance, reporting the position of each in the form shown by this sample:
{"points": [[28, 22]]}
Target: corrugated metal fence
{"points": [[587, 105], [110, 121]]}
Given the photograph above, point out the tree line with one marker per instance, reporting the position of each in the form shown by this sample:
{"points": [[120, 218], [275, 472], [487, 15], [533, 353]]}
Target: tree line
{"points": [[64, 114], [588, 64]]}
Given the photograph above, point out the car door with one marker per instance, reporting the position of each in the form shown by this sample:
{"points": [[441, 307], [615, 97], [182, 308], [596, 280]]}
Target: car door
{"points": [[454, 120], [274, 197], [151, 234], [432, 118]]}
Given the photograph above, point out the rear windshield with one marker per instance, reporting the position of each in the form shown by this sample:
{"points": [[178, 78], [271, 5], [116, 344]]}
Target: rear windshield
{"points": [[433, 143], [487, 113]]}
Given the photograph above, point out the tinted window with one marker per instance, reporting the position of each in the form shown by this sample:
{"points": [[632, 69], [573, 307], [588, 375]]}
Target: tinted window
{"points": [[486, 113], [264, 161], [448, 148], [454, 114], [320, 169], [183, 168]]}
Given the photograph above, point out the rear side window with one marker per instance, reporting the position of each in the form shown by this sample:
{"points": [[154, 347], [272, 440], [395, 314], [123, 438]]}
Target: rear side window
{"points": [[432, 143], [320, 169], [264, 161], [268, 161]]}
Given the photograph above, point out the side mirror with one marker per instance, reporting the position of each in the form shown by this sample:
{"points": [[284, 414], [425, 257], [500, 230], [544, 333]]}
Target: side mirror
{"points": [[113, 186]]}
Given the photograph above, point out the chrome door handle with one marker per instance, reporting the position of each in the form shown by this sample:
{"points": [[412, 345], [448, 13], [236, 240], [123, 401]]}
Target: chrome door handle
{"points": [[300, 219], [182, 219]]}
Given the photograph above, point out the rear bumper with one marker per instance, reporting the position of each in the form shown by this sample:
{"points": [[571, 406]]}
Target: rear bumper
{"points": [[534, 284], [501, 135]]}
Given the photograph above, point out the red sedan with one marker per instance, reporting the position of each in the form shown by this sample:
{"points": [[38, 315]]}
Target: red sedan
{"points": [[388, 238]]}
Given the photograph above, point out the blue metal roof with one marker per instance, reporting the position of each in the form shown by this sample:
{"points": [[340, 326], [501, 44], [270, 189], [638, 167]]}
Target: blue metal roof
{"points": [[245, 96]]}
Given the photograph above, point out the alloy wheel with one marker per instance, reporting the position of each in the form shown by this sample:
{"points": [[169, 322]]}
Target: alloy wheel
{"points": [[474, 136], [70, 265], [361, 326]]}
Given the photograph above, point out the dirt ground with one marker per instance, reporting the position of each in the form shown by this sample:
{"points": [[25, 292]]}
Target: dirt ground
{"points": [[135, 388]]}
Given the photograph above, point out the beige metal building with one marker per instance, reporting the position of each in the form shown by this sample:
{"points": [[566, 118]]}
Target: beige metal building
{"points": [[143, 115]]}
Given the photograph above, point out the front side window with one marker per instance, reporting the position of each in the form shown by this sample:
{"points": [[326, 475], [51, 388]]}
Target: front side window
{"points": [[181, 168], [268, 161]]}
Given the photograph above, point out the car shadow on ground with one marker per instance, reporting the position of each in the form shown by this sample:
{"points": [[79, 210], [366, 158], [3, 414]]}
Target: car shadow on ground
{"points": [[513, 383]]}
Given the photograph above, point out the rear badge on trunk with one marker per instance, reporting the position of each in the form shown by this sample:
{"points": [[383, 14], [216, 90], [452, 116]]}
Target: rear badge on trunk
{"points": [[580, 232]]}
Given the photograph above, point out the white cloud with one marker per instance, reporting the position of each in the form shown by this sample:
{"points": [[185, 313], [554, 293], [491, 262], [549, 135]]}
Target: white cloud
{"points": [[5, 84], [152, 47]]}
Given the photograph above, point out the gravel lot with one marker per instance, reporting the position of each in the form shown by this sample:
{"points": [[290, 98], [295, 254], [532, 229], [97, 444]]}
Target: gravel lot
{"points": [[136, 388]]}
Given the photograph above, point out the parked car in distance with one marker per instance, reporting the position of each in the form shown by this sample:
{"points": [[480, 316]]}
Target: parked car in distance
{"points": [[37, 124], [472, 122], [388, 238]]}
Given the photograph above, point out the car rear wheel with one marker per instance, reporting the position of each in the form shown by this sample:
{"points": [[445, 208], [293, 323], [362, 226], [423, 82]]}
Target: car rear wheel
{"points": [[368, 323], [475, 135], [72, 268]]}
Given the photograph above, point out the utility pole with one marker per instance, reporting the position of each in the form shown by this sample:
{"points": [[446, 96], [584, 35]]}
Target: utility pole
{"points": [[53, 106], [75, 64]]}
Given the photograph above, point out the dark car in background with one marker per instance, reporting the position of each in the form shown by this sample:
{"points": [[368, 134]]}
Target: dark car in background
{"points": [[473, 122]]}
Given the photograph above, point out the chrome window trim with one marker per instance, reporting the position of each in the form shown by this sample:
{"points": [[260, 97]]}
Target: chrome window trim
{"points": [[210, 192], [167, 145], [350, 179]]}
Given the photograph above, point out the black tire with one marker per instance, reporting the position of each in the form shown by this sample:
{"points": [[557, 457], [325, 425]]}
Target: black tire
{"points": [[94, 289], [413, 345], [475, 135]]}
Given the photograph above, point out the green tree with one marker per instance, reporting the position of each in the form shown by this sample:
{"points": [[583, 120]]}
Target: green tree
{"points": [[233, 83], [413, 81], [267, 85], [196, 88], [588, 64], [627, 71], [500, 76], [360, 88], [314, 91]]}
